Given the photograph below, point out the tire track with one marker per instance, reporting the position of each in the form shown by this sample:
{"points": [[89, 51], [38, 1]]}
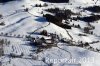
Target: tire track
{"points": [[41, 27], [69, 35], [67, 52], [57, 46], [16, 11], [13, 26]]}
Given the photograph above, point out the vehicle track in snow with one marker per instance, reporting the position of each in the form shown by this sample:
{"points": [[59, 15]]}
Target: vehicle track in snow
{"points": [[67, 52], [10, 28], [17, 11], [69, 34], [40, 27], [57, 46]]}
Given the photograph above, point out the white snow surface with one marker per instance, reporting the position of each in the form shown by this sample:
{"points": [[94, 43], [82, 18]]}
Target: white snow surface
{"points": [[20, 22]]}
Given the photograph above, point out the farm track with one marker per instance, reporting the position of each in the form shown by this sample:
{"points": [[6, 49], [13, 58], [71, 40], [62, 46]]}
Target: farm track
{"points": [[69, 34], [67, 52], [40, 27], [57, 46]]}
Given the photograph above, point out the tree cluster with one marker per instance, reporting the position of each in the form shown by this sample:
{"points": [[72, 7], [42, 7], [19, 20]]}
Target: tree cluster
{"points": [[3, 1], [2, 23], [44, 32], [95, 9], [76, 26], [90, 18], [39, 5], [56, 20], [63, 14], [87, 30], [1, 16]]}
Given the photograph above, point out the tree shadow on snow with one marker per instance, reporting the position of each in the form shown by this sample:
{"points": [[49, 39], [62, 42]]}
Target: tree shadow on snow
{"points": [[41, 19]]}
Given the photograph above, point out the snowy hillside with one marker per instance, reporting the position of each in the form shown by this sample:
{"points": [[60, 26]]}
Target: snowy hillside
{"points": [[38, 33], [82, 1]]}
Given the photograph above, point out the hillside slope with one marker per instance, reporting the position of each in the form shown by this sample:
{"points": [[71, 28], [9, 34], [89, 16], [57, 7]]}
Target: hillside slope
{"points": [[23, 22]]}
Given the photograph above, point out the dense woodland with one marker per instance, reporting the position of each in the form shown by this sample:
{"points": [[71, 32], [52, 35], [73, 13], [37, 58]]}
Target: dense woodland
{"points": [[56, 20], [90, 18], [95, 9], [58, 16], [64, 14], [3, 1]]}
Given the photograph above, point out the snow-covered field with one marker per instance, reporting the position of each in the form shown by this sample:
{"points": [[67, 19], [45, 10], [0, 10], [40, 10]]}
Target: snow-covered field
{"points": [[21, 23]]}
